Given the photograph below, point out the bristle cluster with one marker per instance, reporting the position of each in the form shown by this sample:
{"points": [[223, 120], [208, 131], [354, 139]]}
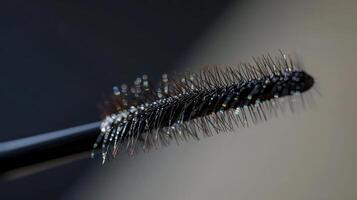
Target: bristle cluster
{"points": [[215, 99]]}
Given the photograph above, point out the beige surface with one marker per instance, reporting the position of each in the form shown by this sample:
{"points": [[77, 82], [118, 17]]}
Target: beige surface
{"points": [[311, 155]]}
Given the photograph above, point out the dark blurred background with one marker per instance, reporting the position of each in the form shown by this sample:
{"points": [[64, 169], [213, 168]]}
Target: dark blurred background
{"points": [[59, 58]]}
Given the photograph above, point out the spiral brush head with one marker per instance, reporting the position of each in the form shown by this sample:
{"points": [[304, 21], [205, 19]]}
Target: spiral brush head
{"points": [[215, 99]]}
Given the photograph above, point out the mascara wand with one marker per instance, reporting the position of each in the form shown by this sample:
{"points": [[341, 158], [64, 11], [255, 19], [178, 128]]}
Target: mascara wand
{"points": [[139, 117]]}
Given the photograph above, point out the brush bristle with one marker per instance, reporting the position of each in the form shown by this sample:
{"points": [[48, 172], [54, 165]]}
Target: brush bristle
{"points": [[215, 99]]}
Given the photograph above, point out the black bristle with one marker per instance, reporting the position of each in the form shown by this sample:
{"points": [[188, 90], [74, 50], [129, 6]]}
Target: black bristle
{"points": [[201, 101]]}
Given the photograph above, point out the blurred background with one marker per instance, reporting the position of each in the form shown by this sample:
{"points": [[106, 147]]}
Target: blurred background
{"points": [[59, 58]]}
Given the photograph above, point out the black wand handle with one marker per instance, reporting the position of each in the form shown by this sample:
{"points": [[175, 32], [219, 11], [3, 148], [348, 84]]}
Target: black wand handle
{"points": [[37, 149]]}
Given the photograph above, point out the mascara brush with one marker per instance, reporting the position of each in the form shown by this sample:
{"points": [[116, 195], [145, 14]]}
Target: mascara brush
{"points": [[196, 105]]}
